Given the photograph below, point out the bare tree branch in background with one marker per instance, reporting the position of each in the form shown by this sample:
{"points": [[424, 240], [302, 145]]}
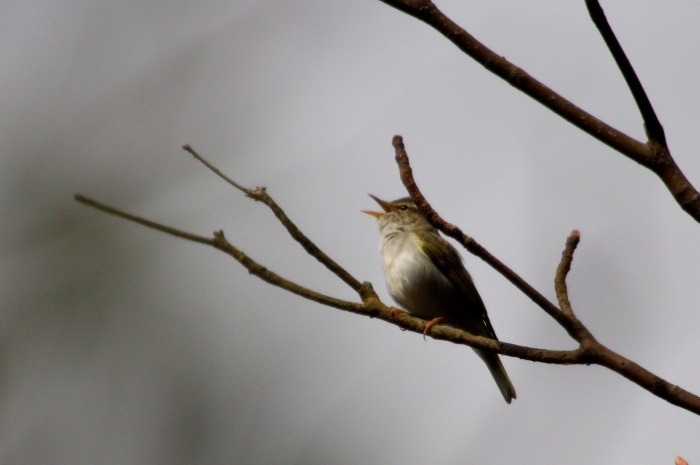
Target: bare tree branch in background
{"points": [[653, 154]]}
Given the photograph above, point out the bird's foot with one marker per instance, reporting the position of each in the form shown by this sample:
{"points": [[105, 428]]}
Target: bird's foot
{"points": [[395, 312], [431, 323]]}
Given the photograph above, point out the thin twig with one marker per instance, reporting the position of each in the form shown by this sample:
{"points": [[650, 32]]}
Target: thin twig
{"points": [[220, 242], [567, 257], [273, 278], [652, 124], [216, 170], [260, 194], [137, 219]]}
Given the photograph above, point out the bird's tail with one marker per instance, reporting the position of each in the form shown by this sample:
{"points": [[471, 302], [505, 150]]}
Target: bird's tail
{"points": [[493, 362]]}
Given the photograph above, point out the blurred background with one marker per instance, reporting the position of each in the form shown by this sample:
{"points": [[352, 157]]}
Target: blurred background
{"points": [[120, 345]]}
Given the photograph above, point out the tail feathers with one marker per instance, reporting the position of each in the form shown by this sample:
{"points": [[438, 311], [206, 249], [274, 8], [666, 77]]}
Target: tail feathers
{"points": [[493, 362]]}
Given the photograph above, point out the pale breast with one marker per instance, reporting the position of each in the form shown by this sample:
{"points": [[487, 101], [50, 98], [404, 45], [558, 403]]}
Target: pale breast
{"points": [[412, 279]]}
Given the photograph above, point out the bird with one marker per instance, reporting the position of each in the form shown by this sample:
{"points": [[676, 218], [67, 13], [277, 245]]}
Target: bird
{"points": [[426, 276]]}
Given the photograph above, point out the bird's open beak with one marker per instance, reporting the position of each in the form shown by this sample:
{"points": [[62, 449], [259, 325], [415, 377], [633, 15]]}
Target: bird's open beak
{"points": [[385, 206]]}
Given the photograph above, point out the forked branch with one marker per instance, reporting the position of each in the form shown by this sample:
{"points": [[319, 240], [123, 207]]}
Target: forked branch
{"points": [[653, 154], [260, 194], [592, 351]]}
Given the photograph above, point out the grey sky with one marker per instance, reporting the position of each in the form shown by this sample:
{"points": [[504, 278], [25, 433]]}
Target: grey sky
{"points": [[121, 345]]}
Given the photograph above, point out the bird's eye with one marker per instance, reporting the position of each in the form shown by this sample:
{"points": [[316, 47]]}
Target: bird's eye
{"points": [[403, 208]]}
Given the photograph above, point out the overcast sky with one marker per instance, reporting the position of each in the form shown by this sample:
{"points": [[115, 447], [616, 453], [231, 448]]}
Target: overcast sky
{"points": [[120, 345]]}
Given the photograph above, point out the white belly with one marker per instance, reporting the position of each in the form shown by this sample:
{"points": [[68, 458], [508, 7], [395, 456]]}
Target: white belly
{"points": [[414, 282]]}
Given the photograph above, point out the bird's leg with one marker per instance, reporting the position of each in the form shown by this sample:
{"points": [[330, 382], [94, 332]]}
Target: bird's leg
{"points": [[431, 323]]}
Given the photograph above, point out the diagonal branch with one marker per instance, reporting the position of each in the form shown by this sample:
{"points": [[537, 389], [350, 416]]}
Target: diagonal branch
{"points": [[654, 129], [653, 155], [220, 242], [142, 221], [427, 12], [260, 194]]}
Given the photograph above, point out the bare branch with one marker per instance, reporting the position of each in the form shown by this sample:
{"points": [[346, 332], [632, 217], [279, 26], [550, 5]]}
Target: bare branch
{"points": [[260, 194], [653, 155], [215, 170], [567, 256], [271, 277], [654, 129], [137, 219], [219, 241], [458, 336], [658, 386], [427, 12]]}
